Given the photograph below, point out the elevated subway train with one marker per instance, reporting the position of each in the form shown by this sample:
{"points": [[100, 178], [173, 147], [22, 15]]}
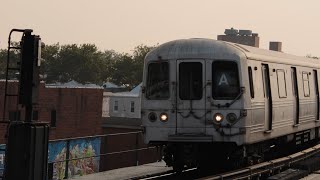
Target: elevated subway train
{"points": [[215, 102]]}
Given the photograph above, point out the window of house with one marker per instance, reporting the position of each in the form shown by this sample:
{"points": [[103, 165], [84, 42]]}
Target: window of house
{"points": [[306, 88], [35, 115], [14, 116], [281, 79], [53, 118], [132, 106], [251, 82], [116, 106]]}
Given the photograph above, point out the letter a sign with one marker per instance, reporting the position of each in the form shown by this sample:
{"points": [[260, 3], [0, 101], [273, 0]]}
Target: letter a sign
{"points": [[223, 80]]}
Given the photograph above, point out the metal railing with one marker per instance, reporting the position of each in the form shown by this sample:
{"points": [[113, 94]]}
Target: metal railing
{"points": [[138, 146]]}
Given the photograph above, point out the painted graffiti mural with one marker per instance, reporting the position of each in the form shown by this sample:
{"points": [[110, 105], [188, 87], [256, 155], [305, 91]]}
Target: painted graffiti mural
{"points": [[82, 150], [57, 154], [2, 153], [85, 152]]}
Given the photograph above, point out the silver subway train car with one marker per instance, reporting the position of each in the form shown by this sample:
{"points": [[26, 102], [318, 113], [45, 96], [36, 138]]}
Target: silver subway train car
{"points": [[220, 103]]}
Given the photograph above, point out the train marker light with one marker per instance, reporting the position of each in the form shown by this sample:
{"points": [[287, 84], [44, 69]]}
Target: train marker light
{"points": [[218, 117], [152, 117], [163, 117], [231, 117]]}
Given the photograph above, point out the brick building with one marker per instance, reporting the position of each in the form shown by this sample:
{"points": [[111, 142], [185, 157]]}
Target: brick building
{"points": [[245, 37], [71, 112]]}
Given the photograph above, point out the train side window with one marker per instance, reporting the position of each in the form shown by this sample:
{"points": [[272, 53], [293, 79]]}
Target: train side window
{"points": [[251, 82], [306, 88], [132, 106], [263, 80], [316, 89], [282, 88], [190, 81]]}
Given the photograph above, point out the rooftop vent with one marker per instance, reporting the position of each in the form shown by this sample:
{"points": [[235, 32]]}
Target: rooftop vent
{"points": [[275, 46], [236, 32], [245, 37], [245, 32], [231, 32]]}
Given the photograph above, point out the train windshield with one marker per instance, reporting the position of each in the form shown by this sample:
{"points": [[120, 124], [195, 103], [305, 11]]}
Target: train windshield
{"points": [[158, 81], [225, 80]]}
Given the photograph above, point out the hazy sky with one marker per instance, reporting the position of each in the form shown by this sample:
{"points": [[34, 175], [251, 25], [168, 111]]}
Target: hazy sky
{"points": [[123, 24]]}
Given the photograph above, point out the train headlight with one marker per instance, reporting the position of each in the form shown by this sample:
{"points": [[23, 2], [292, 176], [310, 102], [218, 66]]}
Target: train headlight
{"points": [[231, 117], [218, 117], [152, 117], [163, 117]]}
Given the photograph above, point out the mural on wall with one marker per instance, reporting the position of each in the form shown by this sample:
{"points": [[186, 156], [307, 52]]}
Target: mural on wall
{"points": [[2, 154], [57, 154], [78, 149], [81, 148]]}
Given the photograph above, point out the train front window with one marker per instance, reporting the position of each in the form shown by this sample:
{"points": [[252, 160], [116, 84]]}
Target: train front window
{"points": [[158, 81], [190, 81], [225, 80]]}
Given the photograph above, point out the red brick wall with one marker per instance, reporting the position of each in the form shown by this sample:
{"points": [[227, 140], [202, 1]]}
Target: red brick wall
{"points": [[246, 40], [125, 142], [78, 110], [78, 114]]}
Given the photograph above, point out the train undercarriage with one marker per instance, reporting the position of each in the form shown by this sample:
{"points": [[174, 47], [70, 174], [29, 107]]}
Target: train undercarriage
{"points": [[222, 156]]}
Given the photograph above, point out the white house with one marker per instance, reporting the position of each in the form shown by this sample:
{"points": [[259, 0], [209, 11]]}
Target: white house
{"points": [[123, 104]]}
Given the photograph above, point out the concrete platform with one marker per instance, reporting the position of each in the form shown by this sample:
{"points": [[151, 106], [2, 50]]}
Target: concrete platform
{"points": [[127, 173], [313, 176]]}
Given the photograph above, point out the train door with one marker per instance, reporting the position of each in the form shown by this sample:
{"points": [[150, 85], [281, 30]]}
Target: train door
{"points": [[267, 97], [295, 94], [191, 95]]}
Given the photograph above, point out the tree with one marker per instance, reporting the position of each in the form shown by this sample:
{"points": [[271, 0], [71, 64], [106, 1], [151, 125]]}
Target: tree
{"points": [[50, 65], [123, 70], [109, 59], [86, 64], [14, 62], [139, 55], [3, 63], [82, 63], [128, 69]]}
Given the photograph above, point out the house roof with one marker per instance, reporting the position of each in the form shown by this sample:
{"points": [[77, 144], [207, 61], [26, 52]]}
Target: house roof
{"points": [[73, 84]]}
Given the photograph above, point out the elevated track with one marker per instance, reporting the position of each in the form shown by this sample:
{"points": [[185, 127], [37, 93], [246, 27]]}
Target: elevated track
{"points": [[293, 166]]}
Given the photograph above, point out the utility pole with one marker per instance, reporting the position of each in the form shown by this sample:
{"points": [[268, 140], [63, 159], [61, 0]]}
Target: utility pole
{"points": [[27, 141]]}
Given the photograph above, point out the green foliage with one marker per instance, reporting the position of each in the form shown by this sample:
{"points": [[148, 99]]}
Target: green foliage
{"points": [[128, 69], [86, 64], [3, 59], [14, 62]]}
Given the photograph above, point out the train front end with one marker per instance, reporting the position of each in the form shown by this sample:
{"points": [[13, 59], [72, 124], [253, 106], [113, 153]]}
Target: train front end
{"points": [[192, 99]]}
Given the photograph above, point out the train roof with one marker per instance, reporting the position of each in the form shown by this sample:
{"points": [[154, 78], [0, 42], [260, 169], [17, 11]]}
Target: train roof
{"points": [[276, 57], [214, 49]]}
